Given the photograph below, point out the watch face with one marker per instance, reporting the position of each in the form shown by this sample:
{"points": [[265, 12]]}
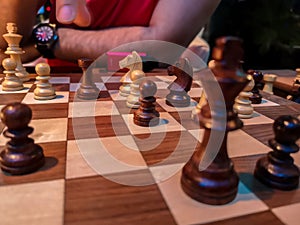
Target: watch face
{"points": [[44, 33]]}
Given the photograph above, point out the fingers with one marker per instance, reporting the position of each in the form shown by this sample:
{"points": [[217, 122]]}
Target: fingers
{"points": [[73, 11]]}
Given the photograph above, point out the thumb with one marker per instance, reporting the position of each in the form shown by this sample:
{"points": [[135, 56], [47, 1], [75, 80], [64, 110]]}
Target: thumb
{"points": [[72, 11]]}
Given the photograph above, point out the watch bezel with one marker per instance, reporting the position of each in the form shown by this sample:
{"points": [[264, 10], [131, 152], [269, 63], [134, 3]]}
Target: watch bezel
{"points": [[49, 41]]}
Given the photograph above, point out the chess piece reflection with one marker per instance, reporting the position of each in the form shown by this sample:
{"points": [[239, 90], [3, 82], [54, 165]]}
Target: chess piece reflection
{"points": [[20, 155], [277, 169], [88, 89], [178, 96], [13, 39], [43, 90], [11, 81]]}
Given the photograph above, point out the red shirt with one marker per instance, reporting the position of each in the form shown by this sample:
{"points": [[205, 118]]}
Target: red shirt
{"points": [[115, 13], [111, 13]]}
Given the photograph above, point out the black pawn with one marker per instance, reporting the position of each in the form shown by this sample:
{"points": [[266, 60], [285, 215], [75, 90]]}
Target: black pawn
{"points": [[277, 169], [257, 77], [20, 155], [146, 115]]}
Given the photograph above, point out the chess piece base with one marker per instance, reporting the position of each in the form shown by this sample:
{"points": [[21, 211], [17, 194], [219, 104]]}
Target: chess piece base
{"points": [[47, 93], [15, 163], [213, 187], [124, 90], [255, 99], [283, 176], [147, 120], [88, 93], [17, 88], [178, 99]]}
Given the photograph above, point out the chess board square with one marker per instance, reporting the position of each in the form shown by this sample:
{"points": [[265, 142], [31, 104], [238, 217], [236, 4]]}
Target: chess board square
{"points": [[24, 90], [94, 127], [9, 98], [265, 102], [265, 217], [188, 211], [88, 157], [185, 119], [162, 103], [166, 148], [257, 118], [116, 96], [60, 110], [276, 111], [262, 134], [59, 80], [61, 97], [61, 87], [114, 203], [33, 203], [161, 85], [166, 124], [288, 214], [236, 146], [197, 133], [113, 86], [92, 108], [195, 92], [111, 79], [166, 79]]}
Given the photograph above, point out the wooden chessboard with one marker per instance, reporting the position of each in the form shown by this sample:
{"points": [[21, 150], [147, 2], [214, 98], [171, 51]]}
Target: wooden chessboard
{"points": [[103, 169]]}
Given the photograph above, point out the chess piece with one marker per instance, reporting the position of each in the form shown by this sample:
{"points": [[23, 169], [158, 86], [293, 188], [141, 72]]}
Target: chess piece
{"points": [[269, 80], [88, 89], [137, 77], [295, 92], [277, 169], [146, 115], [178, 96], [218, 183], [196, 111], [256, 97], [131, 62], [13, 39], [11, 81], [20, 155], [43, 90], [243, 106]]}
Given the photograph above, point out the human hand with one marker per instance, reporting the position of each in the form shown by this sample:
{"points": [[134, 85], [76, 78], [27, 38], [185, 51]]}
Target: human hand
{"points": [[73, 11]]}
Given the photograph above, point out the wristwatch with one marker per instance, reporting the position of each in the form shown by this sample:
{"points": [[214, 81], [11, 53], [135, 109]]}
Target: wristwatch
{"points": [[45, 37]]}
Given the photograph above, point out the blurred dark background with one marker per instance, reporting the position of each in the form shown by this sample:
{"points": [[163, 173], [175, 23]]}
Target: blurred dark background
{"points": [[270, 30]]}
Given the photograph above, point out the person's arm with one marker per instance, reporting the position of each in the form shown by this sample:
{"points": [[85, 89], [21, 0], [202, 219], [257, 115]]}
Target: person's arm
{"points": [[23, 13], [176, 21]]}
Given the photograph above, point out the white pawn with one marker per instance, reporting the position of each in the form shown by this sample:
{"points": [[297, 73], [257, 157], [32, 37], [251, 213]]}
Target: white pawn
{"points": [[13, 40], [269, 80], [242, 105], [11, 81], [137, 76], [43, 90]]}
